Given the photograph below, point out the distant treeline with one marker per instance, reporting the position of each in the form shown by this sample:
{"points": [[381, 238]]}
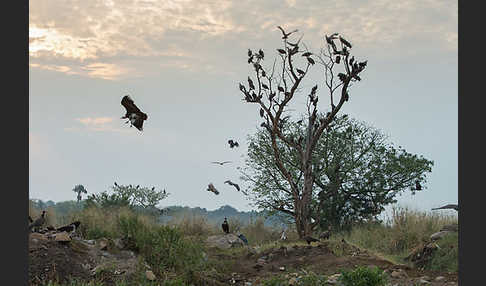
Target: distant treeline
{"points": [[64, 208]]}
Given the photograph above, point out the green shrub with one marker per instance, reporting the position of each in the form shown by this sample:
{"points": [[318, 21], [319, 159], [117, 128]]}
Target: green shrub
{"points": [[363, 276]]}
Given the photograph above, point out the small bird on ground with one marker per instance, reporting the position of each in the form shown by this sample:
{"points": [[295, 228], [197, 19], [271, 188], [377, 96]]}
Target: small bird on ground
{"points": [[225, 226], [221, 163], [310, 239], [232, 184], [326, 234], [134, 114], [211, 188], [233, 143], [449, 206], [38, 222]]}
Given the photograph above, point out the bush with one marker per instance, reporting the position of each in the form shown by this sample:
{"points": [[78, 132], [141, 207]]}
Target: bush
{"points": [[363, 276], [446, 258]]}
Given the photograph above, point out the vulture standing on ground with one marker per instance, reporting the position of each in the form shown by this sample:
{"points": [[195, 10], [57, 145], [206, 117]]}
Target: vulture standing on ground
{"points": [[310, 239], [242, 237], [38, 222], [449, 206], [326, 234], [135, 116], [225, 226]]}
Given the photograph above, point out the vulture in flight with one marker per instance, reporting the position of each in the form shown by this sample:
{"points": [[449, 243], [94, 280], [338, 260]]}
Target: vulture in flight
{"points": [[232, 184], [221, 163], [134, 114], [233, 143], [449, 206], [225, 226], [211, 188], [286, 35]]}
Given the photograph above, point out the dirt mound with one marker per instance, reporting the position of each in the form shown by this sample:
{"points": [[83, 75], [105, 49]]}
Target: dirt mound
{"points": [[61, 261]]}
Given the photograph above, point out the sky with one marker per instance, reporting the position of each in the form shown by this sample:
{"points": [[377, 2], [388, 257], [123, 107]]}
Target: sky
{"points": [[181, 62]]}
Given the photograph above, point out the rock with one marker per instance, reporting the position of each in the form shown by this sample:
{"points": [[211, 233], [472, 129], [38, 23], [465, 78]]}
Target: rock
{"points": [[118, 243], [423, 282], [38, 236], [62, 237], [224, 241], [248, 284], [150, 275], [439, 235], [333, 279], [399, 273], [281, 268], [102, 243], [90, 241], [293, 281], [439, 278]]}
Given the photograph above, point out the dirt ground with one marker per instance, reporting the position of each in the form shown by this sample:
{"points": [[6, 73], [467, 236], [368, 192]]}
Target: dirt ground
{"points": [[319, 258], [86, 260]]}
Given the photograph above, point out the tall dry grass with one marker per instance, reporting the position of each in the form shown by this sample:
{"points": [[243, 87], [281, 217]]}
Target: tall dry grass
{"points": [[402, 231]]}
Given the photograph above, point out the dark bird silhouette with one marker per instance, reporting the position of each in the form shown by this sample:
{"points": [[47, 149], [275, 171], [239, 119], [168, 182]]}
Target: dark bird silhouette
{"points": [[346, 43], [330, 41], [233, 143], [326, 234], [38, 222], [286, 35], [30, 220], [221, 163], [134, 114], [70, 227], [449, 206], [418, 187], [232, 184], [211, 188], [225, 226], [310, 239], [116, 185]]}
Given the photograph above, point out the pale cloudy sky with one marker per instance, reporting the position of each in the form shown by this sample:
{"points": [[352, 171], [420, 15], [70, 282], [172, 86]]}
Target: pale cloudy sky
{"points": [[181, 61]]}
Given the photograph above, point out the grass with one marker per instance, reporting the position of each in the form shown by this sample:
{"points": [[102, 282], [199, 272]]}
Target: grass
{"points": [[400, 234], [363, 276], [175, 251]]}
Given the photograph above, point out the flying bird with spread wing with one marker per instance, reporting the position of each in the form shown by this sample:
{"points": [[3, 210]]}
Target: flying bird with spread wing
{"points": [[134, 115], [221, 163], [449, 206], [286, 35], [233, 143], [211, 188], [232, 184]]}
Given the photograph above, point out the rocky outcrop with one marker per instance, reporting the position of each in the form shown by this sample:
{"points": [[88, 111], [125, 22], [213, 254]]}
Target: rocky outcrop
{"points": [[224, 241]]}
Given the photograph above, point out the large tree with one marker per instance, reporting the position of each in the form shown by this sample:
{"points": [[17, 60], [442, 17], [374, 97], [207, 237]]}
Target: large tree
{"points": [[356, 172], [273, 88]]}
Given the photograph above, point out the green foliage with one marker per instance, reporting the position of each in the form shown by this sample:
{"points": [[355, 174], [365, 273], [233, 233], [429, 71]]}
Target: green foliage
{"points": [[163, 247], [275, 281], [128, 195], [446, 258], [356, 172], [363, 276]]}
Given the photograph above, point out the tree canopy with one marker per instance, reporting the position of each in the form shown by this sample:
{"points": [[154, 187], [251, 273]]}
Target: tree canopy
{"points": [[356, 172]]}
